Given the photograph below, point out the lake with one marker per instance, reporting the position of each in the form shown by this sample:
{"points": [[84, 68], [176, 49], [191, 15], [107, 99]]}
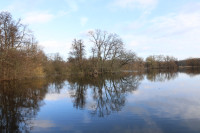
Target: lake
{"points": [[153, 102]]}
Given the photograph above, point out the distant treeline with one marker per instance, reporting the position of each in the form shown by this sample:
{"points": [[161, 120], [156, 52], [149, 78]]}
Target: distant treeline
{"points": [[190, 62], [167, 62], [20, 56], [109, 56]]}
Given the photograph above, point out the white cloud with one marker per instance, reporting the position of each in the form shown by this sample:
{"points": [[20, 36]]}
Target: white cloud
{"points": [[62, 13], [53, 46], [176, 34], [22, 5], [83, 20], [176, 23], [72, 5], [37, 17], [144, 4]]}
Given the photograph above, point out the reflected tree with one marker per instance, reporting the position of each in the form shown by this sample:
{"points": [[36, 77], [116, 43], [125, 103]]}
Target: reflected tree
{"points": [[55, 84], [111, 96], [78, 93], [108, 92], [19, 103], [161, 76], [190, 71]]}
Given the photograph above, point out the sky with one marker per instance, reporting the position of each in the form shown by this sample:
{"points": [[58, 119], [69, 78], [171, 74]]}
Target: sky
{"points": [[147, 27]]}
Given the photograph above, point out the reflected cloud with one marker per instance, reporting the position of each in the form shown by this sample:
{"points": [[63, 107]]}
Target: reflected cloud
{"points": [[42, 123], [56, 96], [174, 99], [86, 119], [147, 101]]}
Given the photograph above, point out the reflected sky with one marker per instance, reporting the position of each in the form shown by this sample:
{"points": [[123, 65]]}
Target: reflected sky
{"points": [[137, 103]]}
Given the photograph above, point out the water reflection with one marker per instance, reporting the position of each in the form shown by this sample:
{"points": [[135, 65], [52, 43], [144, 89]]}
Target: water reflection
{"points": [[108, 92], [191, 71], [161, 76], [21, 101]]}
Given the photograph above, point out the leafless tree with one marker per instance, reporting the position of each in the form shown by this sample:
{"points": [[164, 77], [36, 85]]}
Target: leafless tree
{"points": [[13, 34], [107, 47], [77, 54], [161, 62], [19, 54], [78, 49]]}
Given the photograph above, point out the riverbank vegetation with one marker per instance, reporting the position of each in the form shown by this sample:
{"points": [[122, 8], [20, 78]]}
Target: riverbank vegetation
{"points": [[21, 57], [108, 54]]}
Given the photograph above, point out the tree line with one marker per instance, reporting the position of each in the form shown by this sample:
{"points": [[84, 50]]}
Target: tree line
{"points": [[21, 57], [108, 54]]}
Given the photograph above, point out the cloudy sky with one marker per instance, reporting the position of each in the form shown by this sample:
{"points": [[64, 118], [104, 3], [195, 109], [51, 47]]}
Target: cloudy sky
{"points": [[168, 27]]}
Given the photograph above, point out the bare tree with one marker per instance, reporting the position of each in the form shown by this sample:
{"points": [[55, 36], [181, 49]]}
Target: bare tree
{"points": [[107, 46], [78, 49], [127, 58], [13, 34], [161, 62], [77, 54], [108, 54], [19, 54]]}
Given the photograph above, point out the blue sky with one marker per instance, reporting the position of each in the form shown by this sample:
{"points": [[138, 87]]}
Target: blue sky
{"points": [[168, 27]]}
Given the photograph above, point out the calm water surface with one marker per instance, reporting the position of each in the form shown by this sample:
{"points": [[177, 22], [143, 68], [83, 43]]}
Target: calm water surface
{"points": [[143, 103]]}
